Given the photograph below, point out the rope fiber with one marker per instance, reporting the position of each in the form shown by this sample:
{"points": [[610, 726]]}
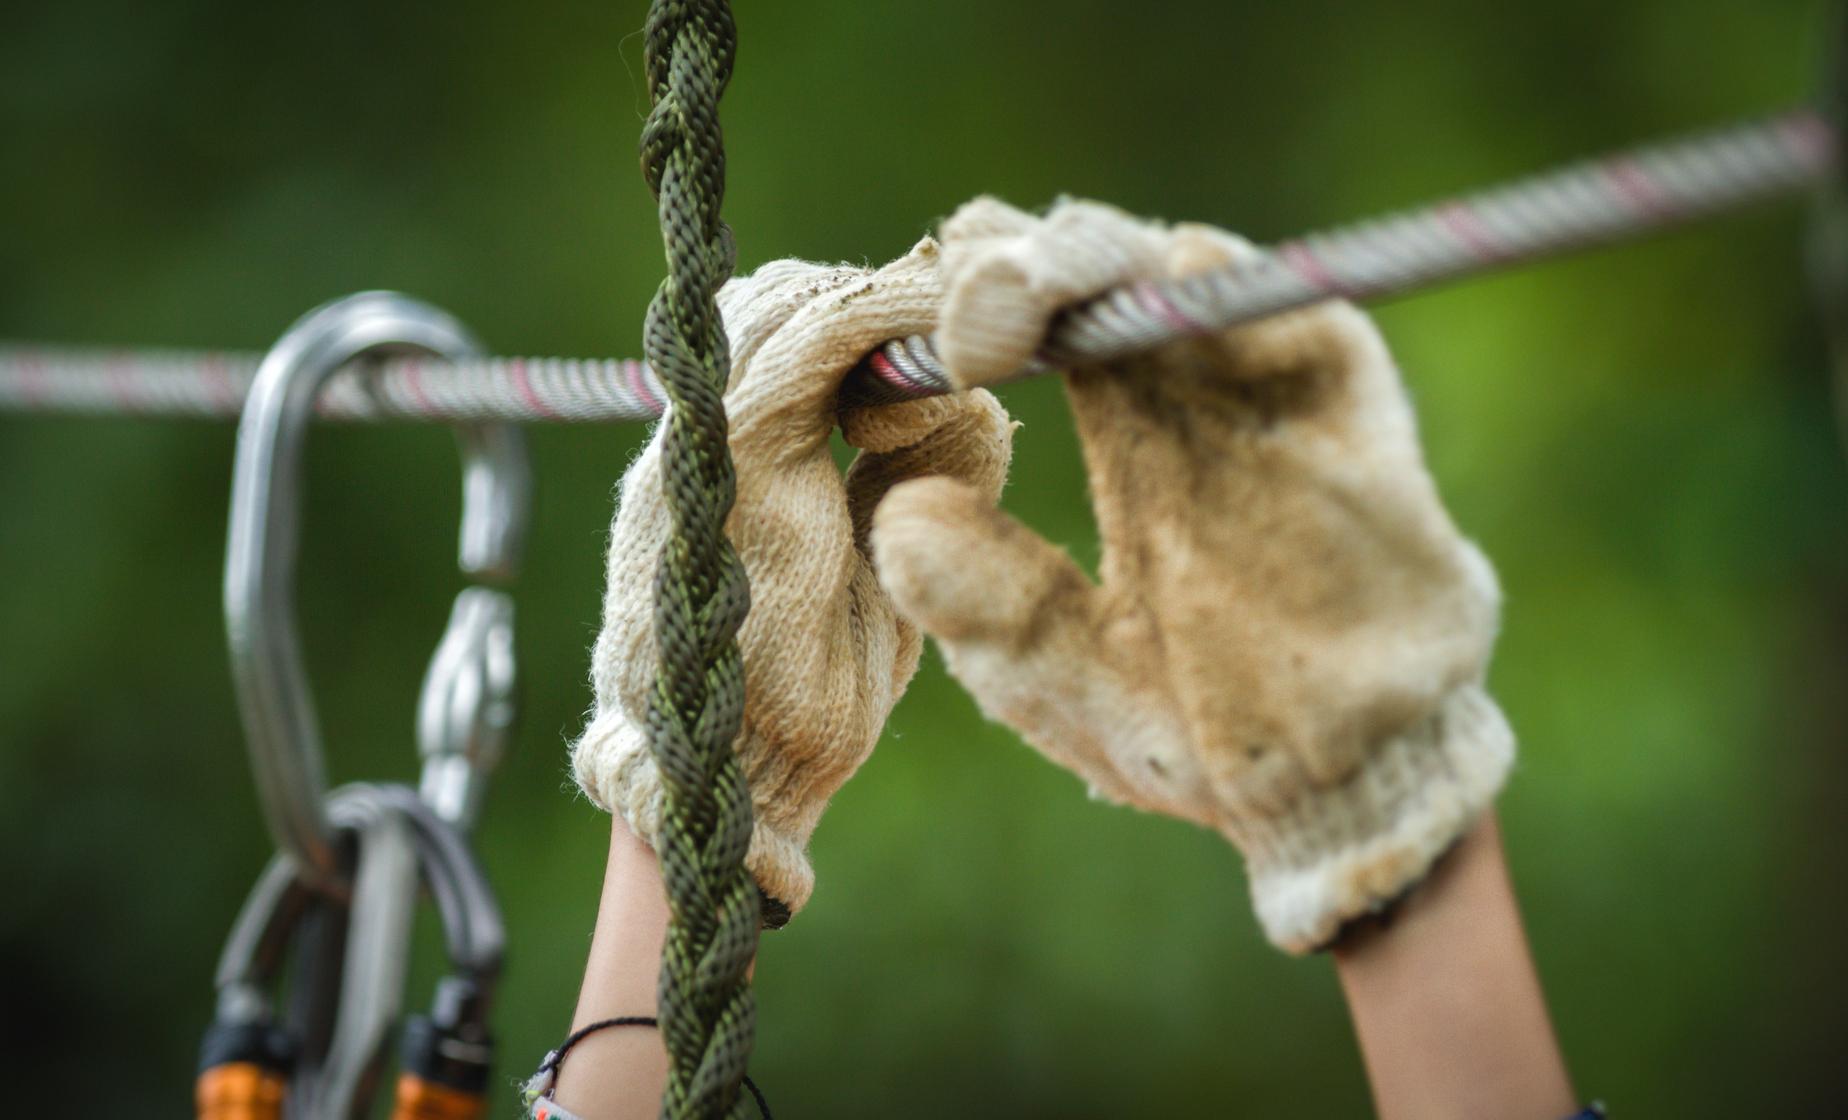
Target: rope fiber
{"points": [[707, 1010], [1622, 196]]}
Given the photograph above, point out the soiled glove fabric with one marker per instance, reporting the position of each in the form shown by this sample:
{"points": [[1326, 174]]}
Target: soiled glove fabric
{"points": [[1289, 636], [826, 655]]}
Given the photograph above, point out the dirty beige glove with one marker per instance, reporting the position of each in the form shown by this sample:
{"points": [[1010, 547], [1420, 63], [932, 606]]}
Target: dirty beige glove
{"points": [[1289, 638], [825, 653]]}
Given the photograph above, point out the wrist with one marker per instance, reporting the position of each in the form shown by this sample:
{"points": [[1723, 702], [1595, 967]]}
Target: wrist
{"points": [[1445, 1000], [1346, 850], [623, 1070], [632, 918], [616, 769]]}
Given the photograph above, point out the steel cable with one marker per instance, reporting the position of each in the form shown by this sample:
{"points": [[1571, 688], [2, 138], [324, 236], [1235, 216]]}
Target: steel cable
{"points": [[1619, 197]]}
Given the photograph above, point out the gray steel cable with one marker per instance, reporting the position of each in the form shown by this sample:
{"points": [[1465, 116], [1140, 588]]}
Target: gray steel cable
{"points": [[1616, 198]]}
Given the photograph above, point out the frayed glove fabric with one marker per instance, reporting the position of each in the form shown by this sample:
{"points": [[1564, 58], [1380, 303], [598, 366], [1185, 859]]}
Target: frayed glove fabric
{"points": [[1289, 637], [826, 654]]}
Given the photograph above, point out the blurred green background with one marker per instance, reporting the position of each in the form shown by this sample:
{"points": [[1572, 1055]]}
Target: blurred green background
{"points": [[1643, 439]]}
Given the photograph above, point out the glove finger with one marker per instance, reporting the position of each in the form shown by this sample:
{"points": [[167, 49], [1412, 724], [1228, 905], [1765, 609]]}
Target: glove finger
{"points": [[967, 436], [1197, 247], [1324, 342], [1020, 625], [982, 219], [756, 305], [967, 572], [781, 404], [1003, 288]]}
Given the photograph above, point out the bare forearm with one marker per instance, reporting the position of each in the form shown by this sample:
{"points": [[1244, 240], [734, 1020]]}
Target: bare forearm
{"points": [[1448, 1009], [619, 1073], [1451, 1019]]}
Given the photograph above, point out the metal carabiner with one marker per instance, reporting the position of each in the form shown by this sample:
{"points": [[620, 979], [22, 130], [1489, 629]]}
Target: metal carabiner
{"points": [[447, 1055], [253, 1057], [247, 1058], [378, 943], [374, 970], [468, 693]]}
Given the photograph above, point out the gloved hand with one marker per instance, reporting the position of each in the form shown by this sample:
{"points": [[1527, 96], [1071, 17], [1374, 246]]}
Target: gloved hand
{"points": [[825, 653], [1288, 640]]}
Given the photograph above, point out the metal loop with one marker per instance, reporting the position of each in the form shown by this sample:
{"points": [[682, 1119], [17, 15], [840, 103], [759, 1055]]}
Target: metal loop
{"points": [[373, 971], [361, 943], [379, 935], [277, 706]]}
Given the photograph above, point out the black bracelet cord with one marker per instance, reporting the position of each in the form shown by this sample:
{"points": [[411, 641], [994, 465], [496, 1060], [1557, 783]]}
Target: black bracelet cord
{"points": [[557, 1057]]}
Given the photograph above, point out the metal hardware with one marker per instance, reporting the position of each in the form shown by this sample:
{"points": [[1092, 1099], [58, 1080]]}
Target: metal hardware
{"points": [[277, 705], [390, 835]]}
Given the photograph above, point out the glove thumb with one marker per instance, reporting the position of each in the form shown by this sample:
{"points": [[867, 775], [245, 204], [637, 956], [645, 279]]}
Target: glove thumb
{"points": [[1026, 632], [966, 572]]}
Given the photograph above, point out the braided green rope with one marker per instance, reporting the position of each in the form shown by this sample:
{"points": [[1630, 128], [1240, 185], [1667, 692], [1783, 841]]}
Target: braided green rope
{"points": [[707, 1011]]}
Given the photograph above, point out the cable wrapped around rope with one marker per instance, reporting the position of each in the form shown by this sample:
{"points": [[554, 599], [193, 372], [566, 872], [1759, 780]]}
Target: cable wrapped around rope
{"points": [[1619, 197], [707, 1010]]}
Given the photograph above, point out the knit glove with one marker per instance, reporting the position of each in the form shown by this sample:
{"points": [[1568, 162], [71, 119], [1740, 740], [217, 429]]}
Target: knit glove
{"points": [[1288, 639], [826, 655]]}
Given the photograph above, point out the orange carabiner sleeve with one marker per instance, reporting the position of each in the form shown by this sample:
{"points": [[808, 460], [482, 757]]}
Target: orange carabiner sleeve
{"points": [[239, 1091], [419, 1099]]}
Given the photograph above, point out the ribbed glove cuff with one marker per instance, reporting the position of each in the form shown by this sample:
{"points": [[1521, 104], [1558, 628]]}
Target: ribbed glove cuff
{"points": [[616, 770], [1342, 852]]}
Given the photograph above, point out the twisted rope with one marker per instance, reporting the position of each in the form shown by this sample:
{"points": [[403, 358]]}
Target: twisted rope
{"points": [[212, 384], [1620, 196], [707, 1010], [1623, 196]]}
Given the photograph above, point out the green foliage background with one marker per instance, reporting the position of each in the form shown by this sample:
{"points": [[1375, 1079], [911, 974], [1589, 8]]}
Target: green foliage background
{"points": [[1643, 440]]}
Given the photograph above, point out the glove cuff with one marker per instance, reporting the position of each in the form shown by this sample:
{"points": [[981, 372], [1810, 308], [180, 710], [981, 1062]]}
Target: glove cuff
{"points": [[1345, 851], [614, 767]]}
